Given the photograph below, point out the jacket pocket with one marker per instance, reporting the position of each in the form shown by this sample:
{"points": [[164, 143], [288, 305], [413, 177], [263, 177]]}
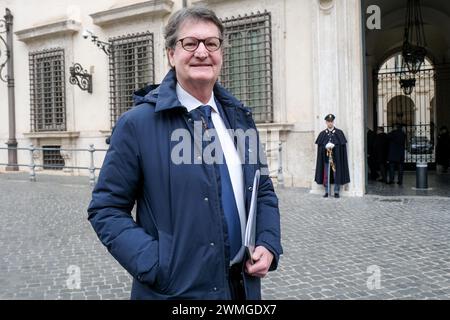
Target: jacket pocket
{"points": [[163, 275]]}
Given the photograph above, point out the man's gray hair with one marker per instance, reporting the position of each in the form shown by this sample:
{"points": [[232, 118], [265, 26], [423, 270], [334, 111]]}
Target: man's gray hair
{"points": [[196, 13]]}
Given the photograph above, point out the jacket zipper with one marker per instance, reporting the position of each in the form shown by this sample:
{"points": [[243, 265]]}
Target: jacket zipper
{"points": [[205, 127]]}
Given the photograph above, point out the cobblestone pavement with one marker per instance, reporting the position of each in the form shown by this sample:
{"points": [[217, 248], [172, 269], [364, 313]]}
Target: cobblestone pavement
{"points": [[349, 248]]}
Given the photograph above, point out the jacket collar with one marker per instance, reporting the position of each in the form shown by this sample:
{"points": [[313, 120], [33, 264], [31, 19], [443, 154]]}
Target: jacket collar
{"points": [[190, 102], [166, 96]]}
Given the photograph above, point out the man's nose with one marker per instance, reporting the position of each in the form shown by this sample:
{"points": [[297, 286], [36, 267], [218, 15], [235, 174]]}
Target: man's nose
{"points": [[201, 52]]}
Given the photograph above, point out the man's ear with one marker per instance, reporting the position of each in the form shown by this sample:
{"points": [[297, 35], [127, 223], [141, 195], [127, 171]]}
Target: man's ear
{"points": [[170, 53]]}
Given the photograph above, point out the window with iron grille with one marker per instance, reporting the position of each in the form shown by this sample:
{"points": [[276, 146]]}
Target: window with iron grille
{"points": [[131, 67], [52, 158], [247, 65], [47, 90]]}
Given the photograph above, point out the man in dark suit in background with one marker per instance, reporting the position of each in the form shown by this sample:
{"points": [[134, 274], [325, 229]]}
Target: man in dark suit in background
{"points": [[380, 152], [396, 155], [443, 150], [371, 155]]}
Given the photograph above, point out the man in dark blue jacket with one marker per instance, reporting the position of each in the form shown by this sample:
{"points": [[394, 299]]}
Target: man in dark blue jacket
{"points": [[396, 153], [187, 240]]}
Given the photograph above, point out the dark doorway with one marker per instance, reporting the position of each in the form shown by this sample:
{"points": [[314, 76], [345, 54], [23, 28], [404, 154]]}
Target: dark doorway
{"points": [[426, 108]]}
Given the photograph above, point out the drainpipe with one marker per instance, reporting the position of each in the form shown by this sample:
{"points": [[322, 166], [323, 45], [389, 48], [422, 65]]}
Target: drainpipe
{"points": [[12, 142]]}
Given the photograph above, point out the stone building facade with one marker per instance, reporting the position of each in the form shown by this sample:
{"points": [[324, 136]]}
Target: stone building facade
{"points": [[291, 61]]}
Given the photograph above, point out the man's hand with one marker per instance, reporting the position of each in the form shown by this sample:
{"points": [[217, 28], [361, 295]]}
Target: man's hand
{"points": [[263, 259], [329, 145]]}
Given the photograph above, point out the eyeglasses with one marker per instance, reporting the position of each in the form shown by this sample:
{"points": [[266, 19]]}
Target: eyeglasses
{"points": [[191, 44]]}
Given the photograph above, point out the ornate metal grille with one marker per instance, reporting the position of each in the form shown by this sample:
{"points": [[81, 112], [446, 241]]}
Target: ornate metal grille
{"points": [[47, 90], [131, 67], [247, 66], [52, 158], [415, 112]]}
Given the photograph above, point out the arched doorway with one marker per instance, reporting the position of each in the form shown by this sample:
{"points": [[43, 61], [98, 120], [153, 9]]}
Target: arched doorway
{"points": [[411, 110], [424, 110], [400, 110]]}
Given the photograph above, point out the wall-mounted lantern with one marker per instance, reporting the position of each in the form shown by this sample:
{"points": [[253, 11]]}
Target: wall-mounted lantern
{"points": [[414, 44], [80, 77], [407, 85]]}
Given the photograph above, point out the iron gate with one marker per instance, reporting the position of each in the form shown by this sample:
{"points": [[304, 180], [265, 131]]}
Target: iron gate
{"points": [[414, 112]]}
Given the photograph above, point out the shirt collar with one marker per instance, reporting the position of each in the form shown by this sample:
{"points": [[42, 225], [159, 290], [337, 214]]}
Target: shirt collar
{"points": [[190, 102]]}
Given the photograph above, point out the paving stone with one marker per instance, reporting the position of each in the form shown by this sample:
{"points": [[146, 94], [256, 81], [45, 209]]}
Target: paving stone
{"points": [[332, 246]]}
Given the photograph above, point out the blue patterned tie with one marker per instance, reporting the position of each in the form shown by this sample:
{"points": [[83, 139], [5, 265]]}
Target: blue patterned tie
{"points": [[228, 201]]}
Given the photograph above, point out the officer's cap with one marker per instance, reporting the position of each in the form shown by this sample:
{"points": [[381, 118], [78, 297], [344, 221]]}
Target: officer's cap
{"points": [[330, 117]]}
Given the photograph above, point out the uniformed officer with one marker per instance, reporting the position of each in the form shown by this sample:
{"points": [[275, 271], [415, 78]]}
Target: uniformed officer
{"points": [[332, 157]]}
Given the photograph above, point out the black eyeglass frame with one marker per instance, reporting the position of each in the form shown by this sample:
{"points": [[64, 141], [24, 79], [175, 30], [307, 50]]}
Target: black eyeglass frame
{"points": [[200, 41]]}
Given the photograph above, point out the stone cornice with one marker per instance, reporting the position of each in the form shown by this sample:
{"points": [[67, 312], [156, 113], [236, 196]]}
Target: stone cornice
{"points": [[64, 27], [133, 11], [208, 1], [52, 134], [275, 126]]}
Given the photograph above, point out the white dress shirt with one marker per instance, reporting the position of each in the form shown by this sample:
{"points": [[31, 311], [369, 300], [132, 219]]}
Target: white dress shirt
{"points": [[234, 163]]}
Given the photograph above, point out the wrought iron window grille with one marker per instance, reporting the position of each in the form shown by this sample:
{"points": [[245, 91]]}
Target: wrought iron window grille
{"points": [[47, 90], [247, 68], [52, 159], [131, 67]]}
